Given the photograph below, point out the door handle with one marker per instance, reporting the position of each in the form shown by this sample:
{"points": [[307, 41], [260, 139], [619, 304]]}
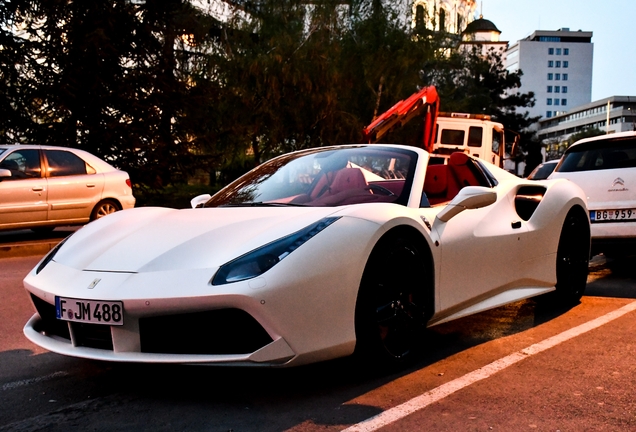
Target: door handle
{"points": [[37, 189], [90, 185]]}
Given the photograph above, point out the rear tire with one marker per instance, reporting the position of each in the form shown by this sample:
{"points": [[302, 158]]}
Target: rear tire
{"points": [[391, 309], [573, 257], [104, 208]]}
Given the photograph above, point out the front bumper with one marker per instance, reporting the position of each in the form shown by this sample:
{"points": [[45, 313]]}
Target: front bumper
{"points": [[93, 344]]}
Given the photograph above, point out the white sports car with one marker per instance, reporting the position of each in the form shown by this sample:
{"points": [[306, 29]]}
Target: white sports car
{"points": [[313, 255]]}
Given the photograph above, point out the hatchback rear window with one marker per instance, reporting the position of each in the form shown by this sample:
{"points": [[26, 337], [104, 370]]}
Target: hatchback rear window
{"points": [[600, 155]]}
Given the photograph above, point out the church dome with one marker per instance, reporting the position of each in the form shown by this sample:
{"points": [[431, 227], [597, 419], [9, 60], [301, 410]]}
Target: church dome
{"points": [[481, 25]]}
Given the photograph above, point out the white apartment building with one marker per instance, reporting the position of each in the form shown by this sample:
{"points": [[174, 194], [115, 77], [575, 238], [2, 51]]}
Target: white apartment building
{"points": [[621, 117], [557, 67]]}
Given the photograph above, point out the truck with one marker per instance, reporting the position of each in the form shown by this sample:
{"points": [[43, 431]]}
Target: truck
{"points": [[473, 134]]}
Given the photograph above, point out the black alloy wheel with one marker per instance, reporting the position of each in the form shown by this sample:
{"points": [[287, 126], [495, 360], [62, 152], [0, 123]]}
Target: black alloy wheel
{"points": [[573, 257], [391, 312]]}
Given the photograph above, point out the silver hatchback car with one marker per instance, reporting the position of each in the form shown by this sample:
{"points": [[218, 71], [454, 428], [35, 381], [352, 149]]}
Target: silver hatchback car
{"points": [[42, 187]]}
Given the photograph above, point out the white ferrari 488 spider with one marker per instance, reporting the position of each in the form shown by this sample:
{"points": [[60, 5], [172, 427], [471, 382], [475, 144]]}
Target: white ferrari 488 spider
{"points": [[312, 255]]}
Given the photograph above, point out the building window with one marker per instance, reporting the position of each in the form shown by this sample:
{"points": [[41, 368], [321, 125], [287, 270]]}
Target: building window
{"points": [[565, 77], [550, 77], [566, 51], [549, 89], [558, 63], [566, 64], [442, 19], [550, 51], [558, 51], [556, 102], [548, 114], [564, 102], [550, 63], [564, 89], [419, 15], [557, 77], [549, 101], [557, 89]]}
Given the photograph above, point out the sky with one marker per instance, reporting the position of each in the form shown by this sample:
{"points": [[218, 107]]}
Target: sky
{"points": [[612, 21]]}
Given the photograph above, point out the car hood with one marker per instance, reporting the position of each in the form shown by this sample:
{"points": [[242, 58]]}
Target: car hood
{"points": [[160, 239]]}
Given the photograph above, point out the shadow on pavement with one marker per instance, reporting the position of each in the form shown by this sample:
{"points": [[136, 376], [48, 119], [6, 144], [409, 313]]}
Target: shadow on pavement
{"points": [[615, 277], [28, 235]]}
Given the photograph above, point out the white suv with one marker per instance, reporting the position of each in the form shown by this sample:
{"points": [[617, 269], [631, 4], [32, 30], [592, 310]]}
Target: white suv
{"points": [[605, 168]]}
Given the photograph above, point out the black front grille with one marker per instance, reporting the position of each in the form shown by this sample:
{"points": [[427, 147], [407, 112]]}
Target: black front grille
{"points": [[50, 325], [224, 331], [92, 336]]}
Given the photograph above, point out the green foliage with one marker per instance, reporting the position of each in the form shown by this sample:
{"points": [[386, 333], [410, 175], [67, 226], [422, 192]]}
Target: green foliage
{"points": [[587, 133], [176, 195]]}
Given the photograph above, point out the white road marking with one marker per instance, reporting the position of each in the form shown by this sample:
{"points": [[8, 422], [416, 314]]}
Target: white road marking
{"points": [[396, 413], [22, 383]]}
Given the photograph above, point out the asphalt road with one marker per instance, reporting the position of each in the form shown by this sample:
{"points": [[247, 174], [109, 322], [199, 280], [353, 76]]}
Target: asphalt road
{"points": [[582, 383]]}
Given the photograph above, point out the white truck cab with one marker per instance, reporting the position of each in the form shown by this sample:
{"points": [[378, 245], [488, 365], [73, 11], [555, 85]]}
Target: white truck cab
{"points": [[474, 134]]}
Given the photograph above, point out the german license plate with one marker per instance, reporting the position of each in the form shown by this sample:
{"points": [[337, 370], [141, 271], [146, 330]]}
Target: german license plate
{"points": [[89, 311], [612, 215]]}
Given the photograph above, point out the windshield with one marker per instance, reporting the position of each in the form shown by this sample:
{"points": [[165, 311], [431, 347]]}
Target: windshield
{"points": [[543, 171], [325, 177], [599, 155]]}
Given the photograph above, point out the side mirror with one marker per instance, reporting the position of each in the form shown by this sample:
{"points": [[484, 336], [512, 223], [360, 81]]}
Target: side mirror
{"points": [[199, 200], [4, 173], [470, 197]]}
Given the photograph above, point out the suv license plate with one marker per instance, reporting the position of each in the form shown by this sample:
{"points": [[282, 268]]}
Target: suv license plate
{"points": [[89, 311], [612, 215]]}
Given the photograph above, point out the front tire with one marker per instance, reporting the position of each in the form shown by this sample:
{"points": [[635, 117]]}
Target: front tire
{"points": [[391, 309], [573, 257]]}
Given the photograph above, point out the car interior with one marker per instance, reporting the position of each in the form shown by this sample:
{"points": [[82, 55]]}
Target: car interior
{"points": [[443, 182]]}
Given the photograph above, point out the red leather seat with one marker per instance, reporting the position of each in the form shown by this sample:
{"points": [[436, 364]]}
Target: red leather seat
{"points": [[436, 184], [459, 166], [347, 178]]}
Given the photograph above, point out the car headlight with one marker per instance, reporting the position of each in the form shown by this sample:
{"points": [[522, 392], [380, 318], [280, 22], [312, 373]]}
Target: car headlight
{"points": [[47, 259], [258, 261]]}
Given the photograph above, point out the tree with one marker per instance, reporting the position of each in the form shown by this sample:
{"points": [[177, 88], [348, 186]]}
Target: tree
{"points": [[116, 78]]}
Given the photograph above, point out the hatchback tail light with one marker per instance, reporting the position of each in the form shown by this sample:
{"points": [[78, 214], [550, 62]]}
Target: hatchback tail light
{"points": [[129, 183]]}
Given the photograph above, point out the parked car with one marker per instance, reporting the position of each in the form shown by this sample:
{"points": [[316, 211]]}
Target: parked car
{"points": [[42, 187], [605, 168], [543, 170], [311, 256]]}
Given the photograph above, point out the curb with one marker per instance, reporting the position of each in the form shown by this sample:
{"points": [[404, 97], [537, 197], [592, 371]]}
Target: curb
{"points": [[27, 249]]}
